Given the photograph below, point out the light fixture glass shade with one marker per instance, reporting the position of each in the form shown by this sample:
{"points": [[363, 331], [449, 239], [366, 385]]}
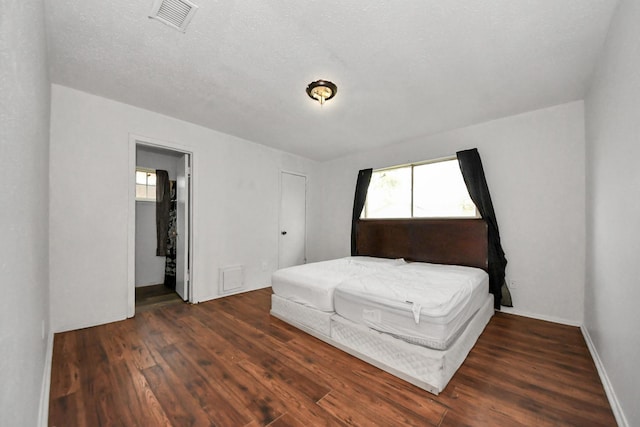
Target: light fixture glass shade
{"points": [[322, 90]]}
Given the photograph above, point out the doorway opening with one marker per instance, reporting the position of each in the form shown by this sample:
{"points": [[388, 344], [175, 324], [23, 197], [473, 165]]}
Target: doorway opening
{"points": [[160, 249]]}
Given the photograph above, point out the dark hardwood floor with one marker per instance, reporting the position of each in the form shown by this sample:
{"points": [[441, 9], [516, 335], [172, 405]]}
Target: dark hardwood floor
{"points": [[154, 296], [229, 363]]}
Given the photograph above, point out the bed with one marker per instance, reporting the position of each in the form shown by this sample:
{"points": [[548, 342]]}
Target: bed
{"points": [[413, 302]]}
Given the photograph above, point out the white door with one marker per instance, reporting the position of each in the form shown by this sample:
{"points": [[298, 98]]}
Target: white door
{"points": [[183, 177], [293, 224]]}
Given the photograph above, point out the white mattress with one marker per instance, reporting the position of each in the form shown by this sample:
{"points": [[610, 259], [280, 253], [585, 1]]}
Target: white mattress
{"points": [[313, 284], [424, 304]]}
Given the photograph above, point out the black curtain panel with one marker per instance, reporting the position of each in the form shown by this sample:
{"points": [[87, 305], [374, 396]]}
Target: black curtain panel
{"points": [[170, 260], [163, 204], [362, 186], [473, 174]]}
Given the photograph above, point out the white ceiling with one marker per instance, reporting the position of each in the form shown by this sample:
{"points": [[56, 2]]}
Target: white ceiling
{"points": [[403, 68]]}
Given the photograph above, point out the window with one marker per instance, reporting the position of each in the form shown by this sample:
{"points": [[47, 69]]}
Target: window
{"points": [[426, 190], [145, 184]]}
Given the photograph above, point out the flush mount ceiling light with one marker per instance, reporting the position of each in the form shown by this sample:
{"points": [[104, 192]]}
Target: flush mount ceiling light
{"points": [[322, 90]]}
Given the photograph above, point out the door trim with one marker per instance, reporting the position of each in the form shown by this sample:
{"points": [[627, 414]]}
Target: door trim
{"points": [[306, 209], [135, 140]]}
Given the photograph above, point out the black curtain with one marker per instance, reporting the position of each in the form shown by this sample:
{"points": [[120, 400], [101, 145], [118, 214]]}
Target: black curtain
{"points": [[170, 260], [163, 204], [473, 174], [362, 186]]}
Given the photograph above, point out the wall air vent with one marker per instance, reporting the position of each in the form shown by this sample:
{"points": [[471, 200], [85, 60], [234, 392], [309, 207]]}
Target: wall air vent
{"points": [[174, 13]]}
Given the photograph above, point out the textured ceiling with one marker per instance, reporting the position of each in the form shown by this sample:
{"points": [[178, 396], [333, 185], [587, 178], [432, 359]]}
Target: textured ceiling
{"points": [[403, 68]]}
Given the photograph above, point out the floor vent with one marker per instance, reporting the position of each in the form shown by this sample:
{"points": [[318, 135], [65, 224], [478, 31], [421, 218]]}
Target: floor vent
{"points": [[174, 13]]}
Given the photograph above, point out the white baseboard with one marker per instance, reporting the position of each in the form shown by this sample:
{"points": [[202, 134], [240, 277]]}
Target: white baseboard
{"points": [[43, 414], [608, 388], [540, 317], [238, 292]]}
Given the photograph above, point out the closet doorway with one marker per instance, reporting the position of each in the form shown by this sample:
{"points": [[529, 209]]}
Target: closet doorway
{"points": [[160, 231]]}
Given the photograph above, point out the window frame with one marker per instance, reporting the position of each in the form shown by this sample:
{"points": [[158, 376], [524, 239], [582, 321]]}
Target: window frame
{"points": [[147, 171], [412, 166]]}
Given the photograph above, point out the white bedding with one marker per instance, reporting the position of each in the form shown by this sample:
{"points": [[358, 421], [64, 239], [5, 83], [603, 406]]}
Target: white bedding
{"points": [[424, 304], [313, 284]]}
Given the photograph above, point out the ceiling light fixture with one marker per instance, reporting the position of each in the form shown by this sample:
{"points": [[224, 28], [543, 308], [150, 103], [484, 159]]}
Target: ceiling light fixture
{"points": [[322, 90]]}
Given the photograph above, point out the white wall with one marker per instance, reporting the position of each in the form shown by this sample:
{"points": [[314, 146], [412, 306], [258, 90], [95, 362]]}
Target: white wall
{"points": [[236, 203], [24, 177], [153, 158], [534, 164], [612, 317], [149, 267]]}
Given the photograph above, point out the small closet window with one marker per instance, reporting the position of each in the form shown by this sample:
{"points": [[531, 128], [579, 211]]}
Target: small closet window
{"points": [[145, 185]]}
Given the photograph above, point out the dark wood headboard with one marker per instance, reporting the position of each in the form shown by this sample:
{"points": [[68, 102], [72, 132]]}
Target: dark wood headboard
{"points": [[441, 241]]}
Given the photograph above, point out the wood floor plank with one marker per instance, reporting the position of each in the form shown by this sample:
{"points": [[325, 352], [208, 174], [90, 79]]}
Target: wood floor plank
{"points": [[99, 404], [172, 393], [370, 409], [95, 396], [532, 400], [257, 317], [537, 350], [351, 415], [233, 382], [136, 400], [305, 382], [65, 407], [297, 403], [287, 420], [470, 412], [124, 343], [368, 380], [218, 405], [214, 342], [403, 395], [154, 330], [227, 362], [236, 333], [68, 378], [543, 379]]}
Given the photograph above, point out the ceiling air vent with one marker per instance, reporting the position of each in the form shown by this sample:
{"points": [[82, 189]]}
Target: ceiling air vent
{"points": [[174, 13]]}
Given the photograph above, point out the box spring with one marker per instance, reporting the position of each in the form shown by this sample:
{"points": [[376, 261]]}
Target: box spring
{"points": [[427, 368]]}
